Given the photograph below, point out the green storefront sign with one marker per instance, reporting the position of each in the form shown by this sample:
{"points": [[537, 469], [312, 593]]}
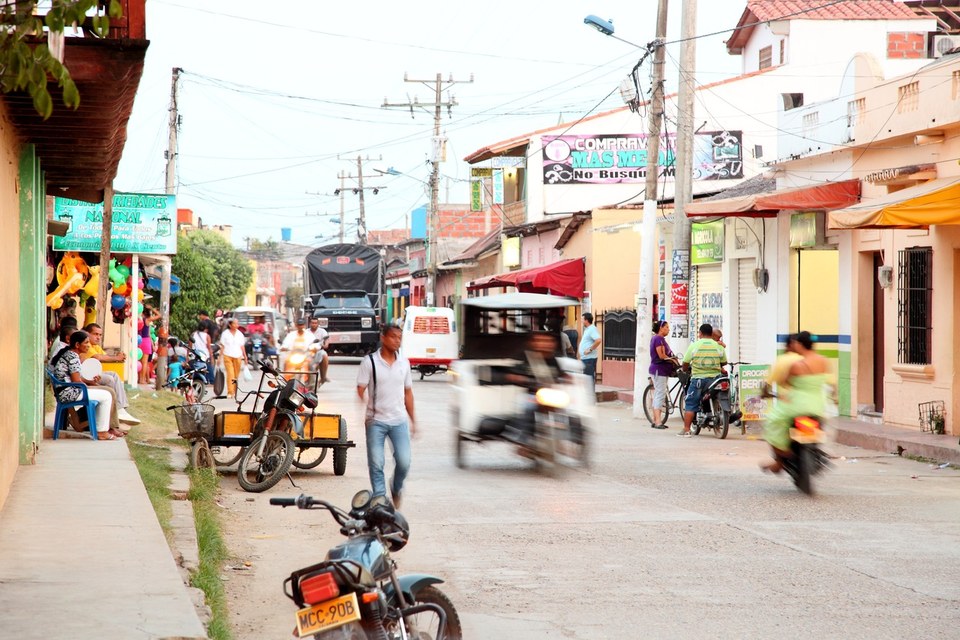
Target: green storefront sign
{"points": [[142, 223], [752, 402], [706, 242]]}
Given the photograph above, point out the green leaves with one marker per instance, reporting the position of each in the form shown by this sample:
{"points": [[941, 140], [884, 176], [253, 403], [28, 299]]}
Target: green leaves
{"points": [[25, 66]]}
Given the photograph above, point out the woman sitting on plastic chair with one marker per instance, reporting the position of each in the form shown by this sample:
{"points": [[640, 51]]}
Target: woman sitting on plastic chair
{"points": [[66, 367]]}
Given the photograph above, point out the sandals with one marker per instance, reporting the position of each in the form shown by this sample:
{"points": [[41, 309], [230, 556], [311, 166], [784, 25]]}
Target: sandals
{"points": [[106, 435]]}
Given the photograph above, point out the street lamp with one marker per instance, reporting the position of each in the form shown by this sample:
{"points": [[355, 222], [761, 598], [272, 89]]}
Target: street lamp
{"points": [[648, 257]]}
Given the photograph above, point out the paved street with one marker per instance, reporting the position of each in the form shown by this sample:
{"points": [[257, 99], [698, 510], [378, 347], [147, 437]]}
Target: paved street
{"points": [[664, 537]]}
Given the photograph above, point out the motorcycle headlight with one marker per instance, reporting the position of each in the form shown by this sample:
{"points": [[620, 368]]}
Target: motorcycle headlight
{"points": [[323, 322], [296, 359], [554, 398], [296, 399], [366, 323]]}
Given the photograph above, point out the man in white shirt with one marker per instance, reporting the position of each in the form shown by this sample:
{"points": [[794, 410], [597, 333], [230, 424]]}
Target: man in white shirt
{"points": [[234, 354], [389, 411], [320, 360]]}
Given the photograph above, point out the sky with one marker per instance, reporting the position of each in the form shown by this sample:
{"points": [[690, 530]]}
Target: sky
{"points": [[276, 99]]}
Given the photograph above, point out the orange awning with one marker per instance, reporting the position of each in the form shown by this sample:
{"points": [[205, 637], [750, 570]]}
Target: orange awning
{"points": [[933, 202], [562, 278], [830, 195]]}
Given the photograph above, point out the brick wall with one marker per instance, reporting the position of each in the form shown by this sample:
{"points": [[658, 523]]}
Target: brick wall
{"points": [[905, 44], [462, 223]]}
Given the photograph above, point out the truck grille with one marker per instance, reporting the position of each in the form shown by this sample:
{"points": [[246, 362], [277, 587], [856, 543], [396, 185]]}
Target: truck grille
{"points": [[343, 323]]}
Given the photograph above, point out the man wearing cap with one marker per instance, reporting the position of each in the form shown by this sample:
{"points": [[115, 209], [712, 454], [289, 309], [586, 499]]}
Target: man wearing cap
{"points": [[299, 340]]}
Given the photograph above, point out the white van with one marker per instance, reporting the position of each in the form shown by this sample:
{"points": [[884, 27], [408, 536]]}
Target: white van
{"points": [[430, 340], [244, 316]]}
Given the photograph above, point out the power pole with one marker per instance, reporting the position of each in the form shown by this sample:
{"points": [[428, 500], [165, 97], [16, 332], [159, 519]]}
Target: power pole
{"points": [[171, 188], [359, 189], [648, 253], [683, 193], [439, 85]]}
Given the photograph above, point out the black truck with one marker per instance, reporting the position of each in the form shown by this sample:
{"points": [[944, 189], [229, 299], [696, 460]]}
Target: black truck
{"points": [[344, 289]]}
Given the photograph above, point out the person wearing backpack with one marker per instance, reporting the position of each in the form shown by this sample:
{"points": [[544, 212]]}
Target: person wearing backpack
{"points": [[389, 412]]}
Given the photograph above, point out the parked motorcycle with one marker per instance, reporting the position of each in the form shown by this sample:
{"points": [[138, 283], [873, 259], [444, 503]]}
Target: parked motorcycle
{"points": [[808, 460], [714, 411], [192, 381], [272, 451], [356, 593], [256, 349]]}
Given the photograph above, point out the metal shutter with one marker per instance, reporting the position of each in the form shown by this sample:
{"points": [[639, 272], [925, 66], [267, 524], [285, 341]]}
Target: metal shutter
{"points": [[746, 311], [709, 301]]}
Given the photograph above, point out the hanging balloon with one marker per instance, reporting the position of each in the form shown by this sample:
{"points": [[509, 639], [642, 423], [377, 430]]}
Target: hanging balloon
{"points": [[139, 366], [140, 324], [140, 295], [121, 289], [140, 283], [139, 353], [117, 301], [139, 307], [124, 271]]}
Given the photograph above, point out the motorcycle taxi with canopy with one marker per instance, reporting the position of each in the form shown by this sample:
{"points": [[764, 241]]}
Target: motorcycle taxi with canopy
{"points": [[506, 389]]}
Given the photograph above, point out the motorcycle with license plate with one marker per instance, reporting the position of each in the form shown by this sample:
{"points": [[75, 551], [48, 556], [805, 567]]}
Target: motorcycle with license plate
{"points": [[714, 410], [356, 592], [807, 458]]}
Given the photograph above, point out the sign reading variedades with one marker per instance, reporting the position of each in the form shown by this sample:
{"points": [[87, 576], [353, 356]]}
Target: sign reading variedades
{"points": [[618, 159], [142, 223]]}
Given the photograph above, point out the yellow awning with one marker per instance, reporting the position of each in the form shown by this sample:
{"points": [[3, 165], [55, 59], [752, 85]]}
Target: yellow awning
{"points": [[933, 202]]}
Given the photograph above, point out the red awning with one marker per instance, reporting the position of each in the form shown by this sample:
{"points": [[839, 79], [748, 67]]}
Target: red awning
{"points": [[830, 195], [563, 278]]}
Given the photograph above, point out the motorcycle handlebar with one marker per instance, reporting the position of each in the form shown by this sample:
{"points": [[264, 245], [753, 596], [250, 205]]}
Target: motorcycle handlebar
{"points": [[284, 502], [308, 502]]}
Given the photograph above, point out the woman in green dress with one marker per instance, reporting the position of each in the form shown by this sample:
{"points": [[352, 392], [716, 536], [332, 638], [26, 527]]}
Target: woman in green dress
{"points": [[800, 375]]}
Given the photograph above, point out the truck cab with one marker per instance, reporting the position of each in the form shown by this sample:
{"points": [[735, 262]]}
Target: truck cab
{"points": [[350, 319]]}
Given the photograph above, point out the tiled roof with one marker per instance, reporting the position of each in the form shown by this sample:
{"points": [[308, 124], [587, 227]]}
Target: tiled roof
{"points": [[822, 10]]}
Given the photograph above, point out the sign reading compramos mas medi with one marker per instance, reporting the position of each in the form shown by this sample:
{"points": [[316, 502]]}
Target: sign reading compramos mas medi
{"points": [[142, 223]]}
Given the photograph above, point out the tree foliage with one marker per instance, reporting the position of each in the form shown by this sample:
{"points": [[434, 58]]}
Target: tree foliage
{"points": [[264, 250], [26, 65], [213, 275], [294, 296]]}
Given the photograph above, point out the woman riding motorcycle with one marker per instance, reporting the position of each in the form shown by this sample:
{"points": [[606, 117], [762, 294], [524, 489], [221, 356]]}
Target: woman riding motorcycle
{"points": [[800, 376]]}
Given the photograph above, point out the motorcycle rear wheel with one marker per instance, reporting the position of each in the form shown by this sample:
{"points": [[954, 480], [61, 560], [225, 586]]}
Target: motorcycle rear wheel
{"points": [[259, 473], [803, 462], [423, 626], [226, 456], [721, 423]]}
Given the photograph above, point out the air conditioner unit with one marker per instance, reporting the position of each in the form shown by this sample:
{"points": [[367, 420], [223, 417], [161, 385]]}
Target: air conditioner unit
{"points": [[941, 44]]}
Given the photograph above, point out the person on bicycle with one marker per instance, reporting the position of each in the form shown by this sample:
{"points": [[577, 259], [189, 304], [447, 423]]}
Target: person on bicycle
{"points": [[663, 364], [704, 359]]}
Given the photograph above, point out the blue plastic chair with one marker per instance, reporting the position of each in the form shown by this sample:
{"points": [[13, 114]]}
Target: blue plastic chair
{"points": [[83, 402]]}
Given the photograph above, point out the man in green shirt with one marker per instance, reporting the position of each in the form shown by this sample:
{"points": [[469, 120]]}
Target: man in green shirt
{"points": [[704, 360]]}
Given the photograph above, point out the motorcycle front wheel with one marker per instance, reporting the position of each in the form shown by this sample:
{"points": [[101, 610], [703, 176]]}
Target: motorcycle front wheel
{"points": [[258, 471], [425, 625]]}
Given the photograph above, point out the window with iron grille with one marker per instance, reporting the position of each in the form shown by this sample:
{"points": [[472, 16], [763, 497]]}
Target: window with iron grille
{"points": [[914, 305], [619, 334]]}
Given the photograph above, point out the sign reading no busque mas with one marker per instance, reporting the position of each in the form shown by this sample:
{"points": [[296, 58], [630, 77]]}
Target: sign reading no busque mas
{"points": [[142, 223], [622, 158]]}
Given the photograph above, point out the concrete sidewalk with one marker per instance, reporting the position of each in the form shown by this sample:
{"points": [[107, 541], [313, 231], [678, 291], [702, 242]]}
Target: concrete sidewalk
{"points": [[83, 555], [866, 435]]}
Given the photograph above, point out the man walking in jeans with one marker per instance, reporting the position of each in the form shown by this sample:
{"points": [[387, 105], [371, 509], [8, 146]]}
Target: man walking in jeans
{"points": [[389, 411]]}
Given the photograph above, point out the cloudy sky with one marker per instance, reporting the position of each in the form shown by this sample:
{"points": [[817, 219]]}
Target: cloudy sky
{"points": [[277, 98]]}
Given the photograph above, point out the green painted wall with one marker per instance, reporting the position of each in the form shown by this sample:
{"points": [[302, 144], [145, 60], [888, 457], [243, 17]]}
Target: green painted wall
{"points": [[33, 234], [844, 385]]}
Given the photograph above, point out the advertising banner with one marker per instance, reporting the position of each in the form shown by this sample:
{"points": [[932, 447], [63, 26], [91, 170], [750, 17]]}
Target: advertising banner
{"points": [[498, 186], [622, 158], [142, 223], [476, 194], [706, 242], [752, 403]]}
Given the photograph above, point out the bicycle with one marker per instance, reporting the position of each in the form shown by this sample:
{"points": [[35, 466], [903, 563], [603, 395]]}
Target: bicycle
{"points": [[673, 401]]}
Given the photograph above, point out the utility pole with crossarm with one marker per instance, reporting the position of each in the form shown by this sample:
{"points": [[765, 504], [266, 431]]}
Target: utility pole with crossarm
{"points": [[439, 85]]}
